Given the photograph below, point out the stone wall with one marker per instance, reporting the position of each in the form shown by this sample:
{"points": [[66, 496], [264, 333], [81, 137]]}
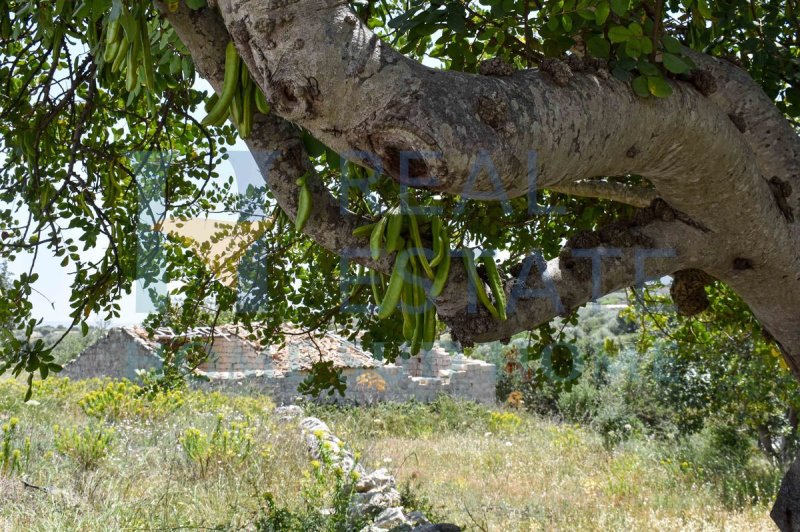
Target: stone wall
{"points": [[118, 355], [229, 353], [422, 378], [237, 367]]}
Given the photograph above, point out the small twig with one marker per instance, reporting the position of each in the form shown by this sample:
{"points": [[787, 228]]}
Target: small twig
{"points": [[34, 486]]}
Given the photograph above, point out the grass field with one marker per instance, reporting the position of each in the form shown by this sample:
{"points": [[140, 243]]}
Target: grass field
{"points": [[113, 459]]}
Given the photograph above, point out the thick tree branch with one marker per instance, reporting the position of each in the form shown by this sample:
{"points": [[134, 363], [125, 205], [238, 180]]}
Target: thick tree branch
{"points": [[325, 70], [322, 68], [590, 266], [772, 139], [637, 196]]}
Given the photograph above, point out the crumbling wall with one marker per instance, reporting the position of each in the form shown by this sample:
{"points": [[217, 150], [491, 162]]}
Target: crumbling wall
{"points": [[238, 367], [421, 378], [118, 355]]}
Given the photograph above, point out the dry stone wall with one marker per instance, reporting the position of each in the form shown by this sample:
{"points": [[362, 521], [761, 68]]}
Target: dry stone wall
{"points": [[422, 378], [236, 366]]}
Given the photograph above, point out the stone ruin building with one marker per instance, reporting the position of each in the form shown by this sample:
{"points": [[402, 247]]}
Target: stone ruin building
{"points": [[238, 363]]}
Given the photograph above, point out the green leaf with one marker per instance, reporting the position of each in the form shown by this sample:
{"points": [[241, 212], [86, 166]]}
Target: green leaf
{"points": [[620, 7], [640, 86], [658, 86], [674, 63], [633, 48], [636, 29], [619, 34], [671, 44], [647, 45], [702, 7], [314, 147], [196, 4], [598, 46], [621, 74], [566, 22], [601, 12], [647, 68]]}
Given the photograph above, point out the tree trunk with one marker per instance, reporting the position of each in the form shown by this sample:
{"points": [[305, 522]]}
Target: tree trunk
{"points": [[786, 510]]}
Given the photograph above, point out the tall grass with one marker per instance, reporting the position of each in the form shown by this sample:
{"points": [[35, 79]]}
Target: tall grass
{"points": [[209, 460]]}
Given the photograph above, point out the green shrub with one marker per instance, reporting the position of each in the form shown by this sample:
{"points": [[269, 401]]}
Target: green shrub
{"points": [[504, 422], [616, 422], [87, 448], [579, 405], [13, 458], [125, 400], [224, 446], [726, 457]]}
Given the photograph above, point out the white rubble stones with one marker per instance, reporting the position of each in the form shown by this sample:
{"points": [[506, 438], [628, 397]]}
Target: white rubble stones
{"points": [[376, 496], [396, 520], [317, 436], [390, 518], [377, 479], [373, 502], [288, 413]]}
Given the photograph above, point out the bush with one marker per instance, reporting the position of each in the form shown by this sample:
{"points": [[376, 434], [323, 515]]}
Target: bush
{"points": [[616, 422], [579, 405], [87, 448], [125, 400], [11, 457], [727, 458], [504, 422], [222, 447]]}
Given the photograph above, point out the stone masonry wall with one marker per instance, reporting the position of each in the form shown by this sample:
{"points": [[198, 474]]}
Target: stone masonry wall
{"points": [[239, 368], [232, 354], [117, 355], [421, 378]]}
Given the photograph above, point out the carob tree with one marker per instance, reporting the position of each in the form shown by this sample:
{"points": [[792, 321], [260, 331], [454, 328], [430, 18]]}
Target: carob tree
{"points": [[662, 134]]}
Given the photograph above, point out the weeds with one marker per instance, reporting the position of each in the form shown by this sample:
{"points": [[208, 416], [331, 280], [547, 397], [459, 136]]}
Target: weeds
{"points": [[13, 459], [119, 400], [224, 446], [87, 448]]}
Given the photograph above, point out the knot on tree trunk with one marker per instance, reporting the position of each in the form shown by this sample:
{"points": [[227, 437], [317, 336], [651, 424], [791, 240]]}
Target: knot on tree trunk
{"points": [[688, 291], [558, 70], [495, 66], [782, 190], [703, 81]]}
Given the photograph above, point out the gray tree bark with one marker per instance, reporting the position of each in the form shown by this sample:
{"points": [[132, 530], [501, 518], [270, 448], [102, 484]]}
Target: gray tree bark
{"points": [[723, 162]]}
